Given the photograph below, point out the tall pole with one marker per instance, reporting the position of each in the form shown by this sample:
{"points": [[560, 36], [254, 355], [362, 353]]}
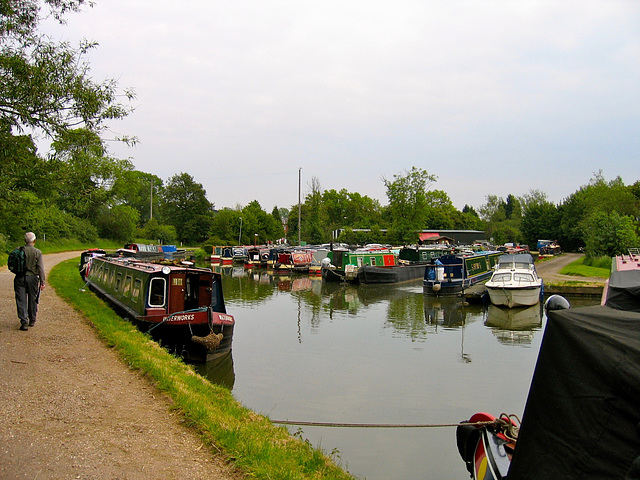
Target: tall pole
{"points": [[240, 234], [299, 207], [151, 203]]}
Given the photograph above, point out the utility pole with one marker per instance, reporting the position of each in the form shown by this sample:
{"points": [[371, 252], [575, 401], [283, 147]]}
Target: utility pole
{"points": [[299, 205], [151, 203]]}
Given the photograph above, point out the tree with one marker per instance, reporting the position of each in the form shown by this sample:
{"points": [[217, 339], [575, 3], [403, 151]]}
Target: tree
{"points": [[540, 220], [81, 164], [598, 195], [608, 234], [118, 223], [185, 206], [139, 190], [408, 203], [46, 85]]}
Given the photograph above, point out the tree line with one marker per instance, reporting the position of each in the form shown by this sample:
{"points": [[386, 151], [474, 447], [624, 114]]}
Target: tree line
{"points": [[80, 191]]}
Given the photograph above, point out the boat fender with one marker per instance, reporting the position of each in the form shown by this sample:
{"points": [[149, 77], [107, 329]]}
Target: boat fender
{"points": [[211, 342], [556, 302], [436, 287]]}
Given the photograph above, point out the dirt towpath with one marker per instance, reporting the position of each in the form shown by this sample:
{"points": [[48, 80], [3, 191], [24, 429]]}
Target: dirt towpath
{"points": [[70, 409]]}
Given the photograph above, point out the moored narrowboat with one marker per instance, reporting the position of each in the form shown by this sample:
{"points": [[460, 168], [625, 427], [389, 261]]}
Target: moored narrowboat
{"points": [[451, 274], [181, 306], [343, 265]]}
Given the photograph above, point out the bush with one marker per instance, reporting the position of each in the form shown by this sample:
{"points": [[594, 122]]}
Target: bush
{"points": [[599, 262]]}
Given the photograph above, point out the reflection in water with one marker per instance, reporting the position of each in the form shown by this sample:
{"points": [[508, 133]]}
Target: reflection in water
{"points": [[309, 350], [219, 371], [515, 326]]}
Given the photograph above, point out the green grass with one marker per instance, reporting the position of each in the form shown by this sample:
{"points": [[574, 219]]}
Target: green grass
{"points": [[580, 269], [255, 445]]}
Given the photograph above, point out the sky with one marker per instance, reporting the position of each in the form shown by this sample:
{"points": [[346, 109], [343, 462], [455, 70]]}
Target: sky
{"points": [[491, 97]]}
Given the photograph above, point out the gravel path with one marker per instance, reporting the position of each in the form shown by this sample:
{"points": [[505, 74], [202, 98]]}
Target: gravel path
{"points": [[70, 409]]}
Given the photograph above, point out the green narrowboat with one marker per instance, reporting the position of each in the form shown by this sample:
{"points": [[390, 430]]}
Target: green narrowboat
{"points": [[343, 265]]}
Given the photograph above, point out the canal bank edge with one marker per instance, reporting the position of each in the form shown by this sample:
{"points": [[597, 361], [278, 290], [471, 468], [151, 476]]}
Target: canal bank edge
{"points": [[248, 440]]}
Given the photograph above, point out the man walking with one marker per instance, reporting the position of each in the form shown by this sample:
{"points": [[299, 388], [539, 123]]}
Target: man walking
{"points": [[27, 287]]}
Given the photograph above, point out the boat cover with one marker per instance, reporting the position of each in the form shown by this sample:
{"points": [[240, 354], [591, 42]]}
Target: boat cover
{"points": [[524, 258], [624, 290], [582, 416]]}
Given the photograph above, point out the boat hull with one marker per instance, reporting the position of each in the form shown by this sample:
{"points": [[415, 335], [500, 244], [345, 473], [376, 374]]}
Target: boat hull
{"points": [[393, 274], [514, 296]]}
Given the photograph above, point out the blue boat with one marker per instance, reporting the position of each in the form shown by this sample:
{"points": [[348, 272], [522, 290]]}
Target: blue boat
{"points": [[451, 274]]}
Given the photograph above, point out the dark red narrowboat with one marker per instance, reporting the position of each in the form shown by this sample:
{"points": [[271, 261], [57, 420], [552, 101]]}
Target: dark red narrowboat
{"points": [[180, 305]]}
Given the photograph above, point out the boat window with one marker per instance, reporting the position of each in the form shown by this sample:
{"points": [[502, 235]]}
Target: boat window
{"points": [[127, 286], [135, 292], [501, 277], [118, 281], [523, 277], [113, 276], [372, 261], [157, 290]]}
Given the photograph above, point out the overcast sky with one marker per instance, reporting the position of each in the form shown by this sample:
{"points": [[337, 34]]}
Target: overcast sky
{"points": [[492, 97]]}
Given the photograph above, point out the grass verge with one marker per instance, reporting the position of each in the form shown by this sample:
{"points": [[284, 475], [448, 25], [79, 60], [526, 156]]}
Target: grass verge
{"points": [[579, 269], [258, 448]]}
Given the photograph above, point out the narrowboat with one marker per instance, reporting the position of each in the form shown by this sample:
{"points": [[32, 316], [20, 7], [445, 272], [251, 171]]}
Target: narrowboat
{"points": [[422, 253], [216, 254], [342, 265], [293, 261], [450, 274], [226, 255], [156, 252], [410, 265], [257, 257], [179, 305]]}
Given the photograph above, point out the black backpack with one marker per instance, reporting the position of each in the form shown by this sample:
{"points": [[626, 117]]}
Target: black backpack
{"points": [[17, 261]]}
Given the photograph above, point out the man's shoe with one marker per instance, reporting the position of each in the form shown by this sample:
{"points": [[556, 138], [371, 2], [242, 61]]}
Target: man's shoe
{"points": [[31, 324], [23, 326]]}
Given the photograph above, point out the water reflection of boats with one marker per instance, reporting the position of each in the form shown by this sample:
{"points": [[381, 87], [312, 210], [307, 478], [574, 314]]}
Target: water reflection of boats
{"points": [[219, 371], [448, 312], [514, 325]]}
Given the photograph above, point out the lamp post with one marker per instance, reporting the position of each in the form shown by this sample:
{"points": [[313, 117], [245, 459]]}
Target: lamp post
{"points": [[255, 241], [240, 234]]}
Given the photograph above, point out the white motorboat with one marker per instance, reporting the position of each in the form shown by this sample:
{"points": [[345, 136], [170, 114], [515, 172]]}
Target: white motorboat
{"points": [[515, 282]]}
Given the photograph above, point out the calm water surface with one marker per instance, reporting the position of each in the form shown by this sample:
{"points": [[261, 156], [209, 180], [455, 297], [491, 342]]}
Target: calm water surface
{"points": [[304, 350]]}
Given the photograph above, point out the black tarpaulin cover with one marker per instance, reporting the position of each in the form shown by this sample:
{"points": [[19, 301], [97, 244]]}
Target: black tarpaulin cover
{"points": [[582, 416], [624, 290]]}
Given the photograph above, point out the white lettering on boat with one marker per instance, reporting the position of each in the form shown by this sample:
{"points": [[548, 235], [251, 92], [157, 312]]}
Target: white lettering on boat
{"points": [[180, 318]]}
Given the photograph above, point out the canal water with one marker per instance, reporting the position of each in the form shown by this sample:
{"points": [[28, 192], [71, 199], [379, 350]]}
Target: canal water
{"points": [[309, 351]]}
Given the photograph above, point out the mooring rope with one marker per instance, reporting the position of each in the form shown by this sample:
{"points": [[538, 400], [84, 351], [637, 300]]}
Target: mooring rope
{"points": [[379, 425]]}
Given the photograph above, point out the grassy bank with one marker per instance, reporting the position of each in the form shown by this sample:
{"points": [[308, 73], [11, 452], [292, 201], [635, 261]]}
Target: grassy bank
{"points": [[580, 268], [256, 446]]}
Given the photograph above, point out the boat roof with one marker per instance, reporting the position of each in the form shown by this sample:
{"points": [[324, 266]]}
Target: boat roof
{"points": [[142, 265]]}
